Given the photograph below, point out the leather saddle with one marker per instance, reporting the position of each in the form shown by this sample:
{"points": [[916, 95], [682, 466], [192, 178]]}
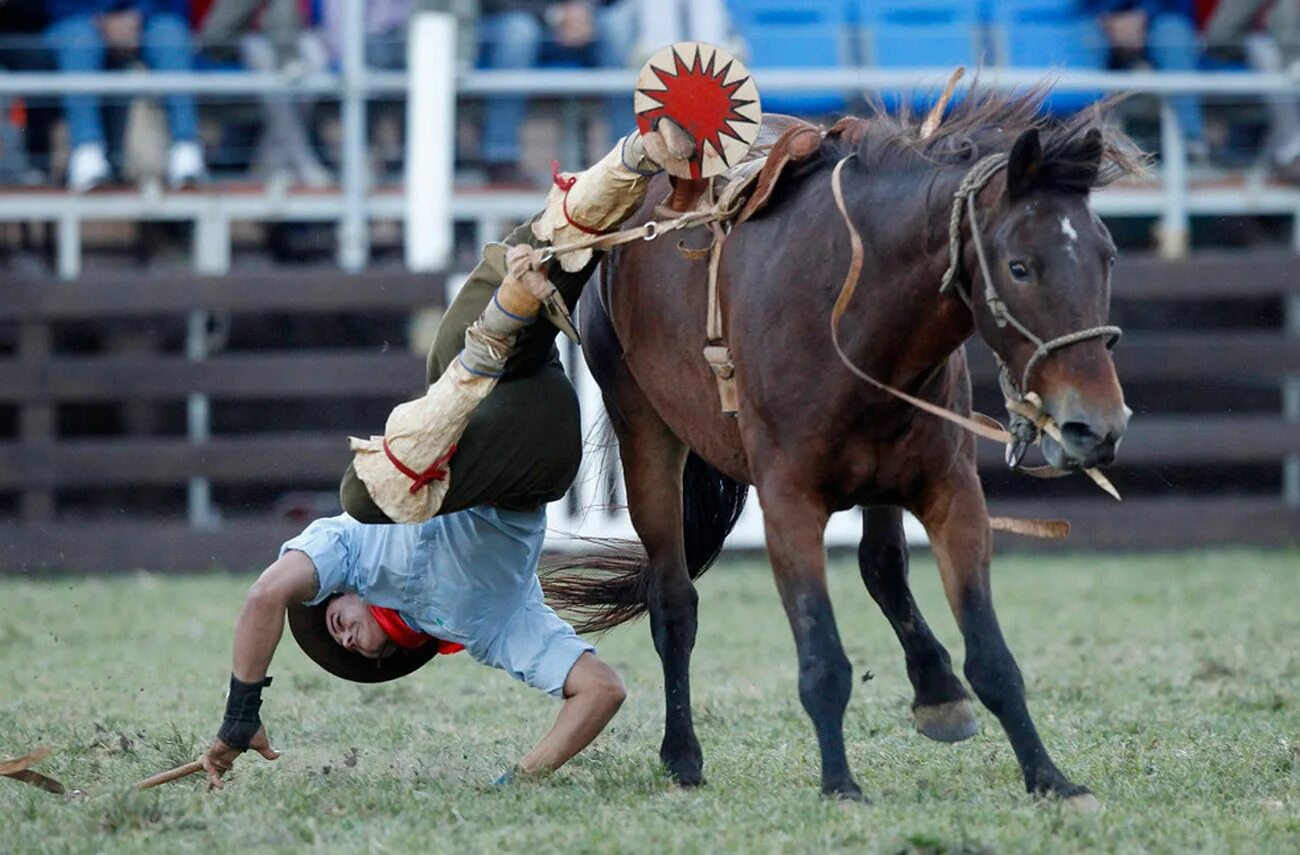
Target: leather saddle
{"points": [[748, 186]]}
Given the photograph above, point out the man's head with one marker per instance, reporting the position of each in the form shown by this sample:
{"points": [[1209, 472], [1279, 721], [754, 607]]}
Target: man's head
{"points": [[359, 642], [353, 626]]}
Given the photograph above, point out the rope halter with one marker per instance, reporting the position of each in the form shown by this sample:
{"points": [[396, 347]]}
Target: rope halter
{"points": [[1025, 429]]}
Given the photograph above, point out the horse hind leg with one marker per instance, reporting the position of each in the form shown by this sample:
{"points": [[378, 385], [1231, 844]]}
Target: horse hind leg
{"points": [[942, 709], [653, 460]]}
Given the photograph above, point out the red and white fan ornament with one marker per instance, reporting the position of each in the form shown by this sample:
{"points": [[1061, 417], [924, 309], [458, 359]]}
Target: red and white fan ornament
{"points": [[710, 94]]}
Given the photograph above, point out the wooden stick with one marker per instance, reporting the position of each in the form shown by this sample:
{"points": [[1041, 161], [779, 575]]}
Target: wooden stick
{"points": [[170, 775], [19, 764]]}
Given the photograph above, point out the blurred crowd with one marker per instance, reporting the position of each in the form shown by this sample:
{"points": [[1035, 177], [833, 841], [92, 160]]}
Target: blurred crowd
{"points": [[85, 141]]}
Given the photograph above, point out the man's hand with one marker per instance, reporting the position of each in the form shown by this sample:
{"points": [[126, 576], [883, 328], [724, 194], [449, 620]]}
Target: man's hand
{"points": [[220, 758], [670, 146]]}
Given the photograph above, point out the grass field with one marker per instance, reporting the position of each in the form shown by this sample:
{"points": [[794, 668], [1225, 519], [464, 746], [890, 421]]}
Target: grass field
{"points": [[1169, 684]]}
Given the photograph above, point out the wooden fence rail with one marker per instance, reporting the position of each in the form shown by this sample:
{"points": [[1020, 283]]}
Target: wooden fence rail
{"points": [[41, 464]]}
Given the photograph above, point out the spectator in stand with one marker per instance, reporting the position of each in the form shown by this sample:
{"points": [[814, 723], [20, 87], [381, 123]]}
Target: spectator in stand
{"points": [[524, 34], [280, 43], [385, 49], [1233, 27], [24, 122], [1160, 33], [385, 31], [665, 22], [80, 34]]}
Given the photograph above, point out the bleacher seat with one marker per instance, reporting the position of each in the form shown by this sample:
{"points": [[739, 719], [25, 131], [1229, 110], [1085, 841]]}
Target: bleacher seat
{"points": [[1048, 34], [920, 34], [795, 34]]}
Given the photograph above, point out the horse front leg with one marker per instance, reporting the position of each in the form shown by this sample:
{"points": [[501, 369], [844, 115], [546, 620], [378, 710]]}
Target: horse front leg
{"points": [[956, 518], [652, 469], [795, 526], [941, 709]]}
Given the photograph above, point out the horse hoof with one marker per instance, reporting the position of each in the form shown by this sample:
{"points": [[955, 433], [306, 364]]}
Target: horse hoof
{"points": [[948, 722], [685, 772], [849, 792], [688, 781], [1084, 802]]}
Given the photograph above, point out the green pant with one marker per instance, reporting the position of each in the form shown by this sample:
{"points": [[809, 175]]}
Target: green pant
{"points": [[523, 444]]}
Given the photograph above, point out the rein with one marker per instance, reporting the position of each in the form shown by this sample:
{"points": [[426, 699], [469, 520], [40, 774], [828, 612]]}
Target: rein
{"points": [[1028, 421], [648, 231], [841, 306]]}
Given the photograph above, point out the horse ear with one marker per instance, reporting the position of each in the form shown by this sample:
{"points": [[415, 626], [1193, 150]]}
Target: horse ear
{"points": [[1023, 164]]}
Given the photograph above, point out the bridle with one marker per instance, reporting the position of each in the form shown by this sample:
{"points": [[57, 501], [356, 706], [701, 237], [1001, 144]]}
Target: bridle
{"points": [[1021, 427], [1028, 421]]}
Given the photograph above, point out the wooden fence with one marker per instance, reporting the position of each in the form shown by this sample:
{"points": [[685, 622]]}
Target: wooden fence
{"points": [[1213, 343]]}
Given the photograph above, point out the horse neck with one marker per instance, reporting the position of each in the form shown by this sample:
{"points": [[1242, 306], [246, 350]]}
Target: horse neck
{"points": [[916, 232]]}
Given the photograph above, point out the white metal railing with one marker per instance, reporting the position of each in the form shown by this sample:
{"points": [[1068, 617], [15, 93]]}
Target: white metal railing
{"points": [[1173, 201]]}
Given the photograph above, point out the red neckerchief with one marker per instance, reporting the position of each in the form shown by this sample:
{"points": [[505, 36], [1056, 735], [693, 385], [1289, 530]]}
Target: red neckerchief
{"points": [[406, 638]]}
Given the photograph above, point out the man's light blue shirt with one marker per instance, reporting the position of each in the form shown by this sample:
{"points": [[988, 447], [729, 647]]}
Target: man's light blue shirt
{"points": [[468, 577]]}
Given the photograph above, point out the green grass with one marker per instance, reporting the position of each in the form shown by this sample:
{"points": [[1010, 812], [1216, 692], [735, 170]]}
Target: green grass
{"points": [[1169, 684]]}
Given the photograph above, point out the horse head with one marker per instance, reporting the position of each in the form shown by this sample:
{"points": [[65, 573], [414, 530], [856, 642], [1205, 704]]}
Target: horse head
{"points": [[1042, 297]]}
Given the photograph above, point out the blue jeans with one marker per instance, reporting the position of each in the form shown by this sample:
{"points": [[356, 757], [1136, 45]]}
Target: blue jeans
{"points": [[518, 40], [165, 45], [1171, 44]]}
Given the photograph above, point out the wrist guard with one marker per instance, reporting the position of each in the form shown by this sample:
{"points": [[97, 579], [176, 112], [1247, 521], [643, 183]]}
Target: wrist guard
{"points": [[242, 706]]}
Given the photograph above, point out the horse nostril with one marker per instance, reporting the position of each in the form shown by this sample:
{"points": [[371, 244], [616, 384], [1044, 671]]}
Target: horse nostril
{"points": [[1079, 437]]}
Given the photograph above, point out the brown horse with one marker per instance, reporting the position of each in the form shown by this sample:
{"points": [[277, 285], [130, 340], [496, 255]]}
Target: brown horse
{"points": [[813, 439]]}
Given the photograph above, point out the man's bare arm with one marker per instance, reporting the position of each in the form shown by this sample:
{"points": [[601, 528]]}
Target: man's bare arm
{"points": [[593, 692], [291, 579]]}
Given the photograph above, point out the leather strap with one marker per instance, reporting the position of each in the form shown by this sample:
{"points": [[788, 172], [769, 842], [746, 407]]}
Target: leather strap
{"points": [[716, 352]]}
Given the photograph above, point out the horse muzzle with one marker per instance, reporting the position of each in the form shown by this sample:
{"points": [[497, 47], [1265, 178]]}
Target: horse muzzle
{"points": [[1087, 440]]}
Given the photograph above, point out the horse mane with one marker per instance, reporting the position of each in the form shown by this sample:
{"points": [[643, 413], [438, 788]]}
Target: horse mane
{"points": [[987, 122]]}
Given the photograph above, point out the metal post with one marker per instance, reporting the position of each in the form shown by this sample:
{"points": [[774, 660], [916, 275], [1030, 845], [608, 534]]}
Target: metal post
{"points": [[430, 139], [212, 244], [198, 417], [1291, 407], [1174, 222], [354, 248], [69, 248], [211, 258]]}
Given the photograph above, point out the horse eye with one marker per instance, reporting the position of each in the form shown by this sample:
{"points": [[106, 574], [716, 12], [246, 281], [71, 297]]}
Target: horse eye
{"points": [[1110, 262], [1019, 270]]}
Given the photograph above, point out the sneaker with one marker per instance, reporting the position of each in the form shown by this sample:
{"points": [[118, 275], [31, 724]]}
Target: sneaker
{"points": [[312, 174], [87, 167], [185, 165]]}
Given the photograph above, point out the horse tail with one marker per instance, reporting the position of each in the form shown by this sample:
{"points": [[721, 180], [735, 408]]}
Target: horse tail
{"points": [[616, 592]]}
